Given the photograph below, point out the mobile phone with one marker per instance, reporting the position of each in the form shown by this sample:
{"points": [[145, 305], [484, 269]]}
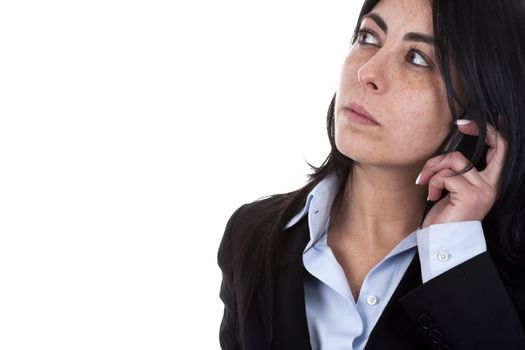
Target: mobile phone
{"points": [[466, 144]]}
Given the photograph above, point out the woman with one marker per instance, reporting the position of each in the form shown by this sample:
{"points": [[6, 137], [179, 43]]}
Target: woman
{"points": [[411, 234]]}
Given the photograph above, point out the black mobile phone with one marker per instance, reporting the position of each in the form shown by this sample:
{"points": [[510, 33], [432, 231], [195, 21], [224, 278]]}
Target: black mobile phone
{"points": [[466, 144]]}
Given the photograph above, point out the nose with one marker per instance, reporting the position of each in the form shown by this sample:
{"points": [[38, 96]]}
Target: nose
{"points": [[372, 75]]}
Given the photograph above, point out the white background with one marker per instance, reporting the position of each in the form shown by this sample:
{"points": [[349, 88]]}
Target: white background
{"points": [[129, 133]]}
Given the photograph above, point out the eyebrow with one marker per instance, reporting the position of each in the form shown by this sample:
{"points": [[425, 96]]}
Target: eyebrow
{"points": [[420, 38], [378, 19], [417, 37]]}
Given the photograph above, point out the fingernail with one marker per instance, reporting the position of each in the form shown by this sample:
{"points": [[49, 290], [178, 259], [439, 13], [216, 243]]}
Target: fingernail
{"points": [[428, 198], [418, 177], [462, 121]]}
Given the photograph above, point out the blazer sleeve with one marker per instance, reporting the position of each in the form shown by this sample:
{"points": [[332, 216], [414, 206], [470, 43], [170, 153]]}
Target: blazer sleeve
{"points": [[466, 307], [228, 333]]}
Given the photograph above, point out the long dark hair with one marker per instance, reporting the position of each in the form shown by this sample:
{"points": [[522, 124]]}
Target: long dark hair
{"points": [[485, 41]]}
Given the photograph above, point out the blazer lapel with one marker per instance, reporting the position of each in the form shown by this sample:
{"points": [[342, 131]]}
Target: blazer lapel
{"points": [[290, 324], [394, 329]]}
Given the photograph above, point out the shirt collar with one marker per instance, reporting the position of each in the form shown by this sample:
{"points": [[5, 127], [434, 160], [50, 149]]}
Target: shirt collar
{"points": [[318, 203], [318, 206]]}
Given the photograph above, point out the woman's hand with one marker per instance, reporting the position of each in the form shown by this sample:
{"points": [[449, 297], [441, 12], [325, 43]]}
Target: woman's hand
{"points": [[472, 194]]}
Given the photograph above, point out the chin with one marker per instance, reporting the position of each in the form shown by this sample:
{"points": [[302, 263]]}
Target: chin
{"points": [[357, 154], [376, 157]]}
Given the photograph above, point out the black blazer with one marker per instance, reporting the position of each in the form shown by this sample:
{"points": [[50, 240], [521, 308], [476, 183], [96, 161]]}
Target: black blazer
{"points": [[466, 307]]}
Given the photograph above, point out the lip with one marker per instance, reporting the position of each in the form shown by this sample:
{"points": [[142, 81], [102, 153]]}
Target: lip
{"points": [[359, 114]]}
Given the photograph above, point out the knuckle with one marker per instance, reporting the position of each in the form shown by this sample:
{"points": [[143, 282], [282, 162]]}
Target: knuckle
{"points": [[459, 158], [453, 177], [433, 182], [475, 198], [438, 180], [455, 154], [429, 163]]}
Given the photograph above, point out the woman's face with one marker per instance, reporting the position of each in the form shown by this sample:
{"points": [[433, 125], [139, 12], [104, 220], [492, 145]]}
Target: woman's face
{"points": [[391, 71]]}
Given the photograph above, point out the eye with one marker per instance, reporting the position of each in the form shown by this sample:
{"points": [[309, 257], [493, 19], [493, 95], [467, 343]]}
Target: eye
{"points": [[366, 37], [417, 58]]}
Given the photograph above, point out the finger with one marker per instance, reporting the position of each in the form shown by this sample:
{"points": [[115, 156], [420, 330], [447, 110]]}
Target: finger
{"points": [[496, 152], [436, 184], [495, 155], [445, 179], [472, 129], [454, 161], [468, 127]]}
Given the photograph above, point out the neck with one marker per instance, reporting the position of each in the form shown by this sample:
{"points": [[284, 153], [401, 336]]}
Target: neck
{"points": [[379, 206]]}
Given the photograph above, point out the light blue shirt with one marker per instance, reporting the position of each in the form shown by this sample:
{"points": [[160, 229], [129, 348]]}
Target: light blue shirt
{"points": [[335, 320]]}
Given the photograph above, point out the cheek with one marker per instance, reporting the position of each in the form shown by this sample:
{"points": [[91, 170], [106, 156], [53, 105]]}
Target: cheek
{"points": [[425, 125], [421, 99], [423, 117]]}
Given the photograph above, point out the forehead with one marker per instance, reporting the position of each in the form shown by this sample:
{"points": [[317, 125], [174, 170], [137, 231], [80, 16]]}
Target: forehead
{"points": [[406, 15]]}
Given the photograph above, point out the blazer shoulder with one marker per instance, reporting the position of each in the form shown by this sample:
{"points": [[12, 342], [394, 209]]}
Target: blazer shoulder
{"points": [[242, 220]]}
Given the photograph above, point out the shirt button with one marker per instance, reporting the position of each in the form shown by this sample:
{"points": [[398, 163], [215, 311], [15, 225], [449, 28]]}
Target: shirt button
{"points": [[443, 256], [371, 300]]}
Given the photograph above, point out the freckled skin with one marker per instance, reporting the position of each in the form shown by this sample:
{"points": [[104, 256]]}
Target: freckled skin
{"points": [[408, 101]]}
